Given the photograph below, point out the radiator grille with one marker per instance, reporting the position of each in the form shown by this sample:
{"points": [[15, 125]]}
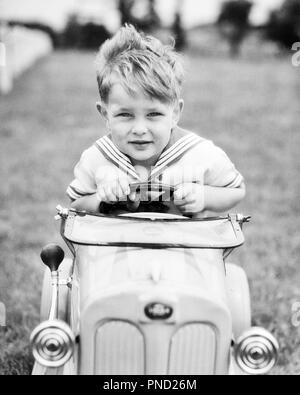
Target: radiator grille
{"points": [[193, 350], [119, 349]]}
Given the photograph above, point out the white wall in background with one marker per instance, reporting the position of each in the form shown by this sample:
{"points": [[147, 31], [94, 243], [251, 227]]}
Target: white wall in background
{"points": [[23, 48]]}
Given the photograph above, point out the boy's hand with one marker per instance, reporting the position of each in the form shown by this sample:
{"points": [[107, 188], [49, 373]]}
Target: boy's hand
{"points": [[189, 198], [113, 186]]}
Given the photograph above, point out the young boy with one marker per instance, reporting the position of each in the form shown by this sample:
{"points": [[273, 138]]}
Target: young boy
{"points": [[139, 82]]}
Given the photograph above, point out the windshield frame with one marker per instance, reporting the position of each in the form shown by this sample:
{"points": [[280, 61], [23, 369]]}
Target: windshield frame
{"points": [[236, 241]]}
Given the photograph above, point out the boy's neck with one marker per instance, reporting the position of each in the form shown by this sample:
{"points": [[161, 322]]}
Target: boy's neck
{"points": [[143, 172], [146, 163]]}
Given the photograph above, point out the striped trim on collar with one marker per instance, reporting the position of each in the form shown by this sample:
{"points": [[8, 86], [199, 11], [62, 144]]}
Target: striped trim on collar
{"points": [[174, 146], [168, 157], [174, 153], [114, 155], [108, 141]]}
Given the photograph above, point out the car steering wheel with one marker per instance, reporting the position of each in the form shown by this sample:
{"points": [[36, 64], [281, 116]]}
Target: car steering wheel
{"points": [[142, 201], [143, 189]]}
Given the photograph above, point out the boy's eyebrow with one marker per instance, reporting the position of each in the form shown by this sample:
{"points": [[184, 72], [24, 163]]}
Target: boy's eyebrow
{"points": [[118, 106], [125, 109], [154, 109], [148, 109], [117, 109]]}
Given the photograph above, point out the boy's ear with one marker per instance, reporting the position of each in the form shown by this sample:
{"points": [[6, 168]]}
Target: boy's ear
{"points": [[181, 106], [101, 108], [178, 111]]}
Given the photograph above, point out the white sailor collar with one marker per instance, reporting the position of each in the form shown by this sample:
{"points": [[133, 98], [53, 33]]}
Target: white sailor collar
{"points": [[181, 141]]}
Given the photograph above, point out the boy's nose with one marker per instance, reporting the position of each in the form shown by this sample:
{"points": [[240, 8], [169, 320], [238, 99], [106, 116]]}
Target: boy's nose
{"points": [[139, 132], [139, 129]]}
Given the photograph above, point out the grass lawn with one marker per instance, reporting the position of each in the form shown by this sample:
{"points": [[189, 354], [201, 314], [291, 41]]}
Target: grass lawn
{"points": [[250, 108]]}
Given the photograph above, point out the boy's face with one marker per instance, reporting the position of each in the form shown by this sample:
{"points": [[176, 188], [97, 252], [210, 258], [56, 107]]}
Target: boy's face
{"points": [[140, 126]]}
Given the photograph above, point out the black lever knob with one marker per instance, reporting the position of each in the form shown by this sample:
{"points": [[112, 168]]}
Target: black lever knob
{"points": [[52, 255]]}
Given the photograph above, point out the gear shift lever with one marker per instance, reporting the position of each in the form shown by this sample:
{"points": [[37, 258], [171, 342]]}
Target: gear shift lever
{"points": [[52, 255]]}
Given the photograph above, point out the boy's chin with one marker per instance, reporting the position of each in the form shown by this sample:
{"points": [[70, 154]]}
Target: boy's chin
{"points": [[146, 160]]}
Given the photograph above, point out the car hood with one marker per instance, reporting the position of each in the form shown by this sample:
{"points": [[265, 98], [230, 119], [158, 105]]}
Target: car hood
{"points": [[105, 270]]}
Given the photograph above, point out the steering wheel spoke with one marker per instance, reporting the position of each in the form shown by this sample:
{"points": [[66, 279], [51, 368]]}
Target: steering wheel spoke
{"points": [[145, 190]]}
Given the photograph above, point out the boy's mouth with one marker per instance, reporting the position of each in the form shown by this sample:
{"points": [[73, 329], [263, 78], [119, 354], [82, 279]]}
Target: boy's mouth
{"points": [[140, 144]]}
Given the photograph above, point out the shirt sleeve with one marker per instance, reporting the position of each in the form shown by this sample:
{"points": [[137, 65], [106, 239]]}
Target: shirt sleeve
{"points": [[222, 172], [84, 181]]}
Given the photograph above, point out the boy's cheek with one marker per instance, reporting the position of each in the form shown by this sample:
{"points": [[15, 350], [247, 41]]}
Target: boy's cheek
{"points": [[118, 132]]}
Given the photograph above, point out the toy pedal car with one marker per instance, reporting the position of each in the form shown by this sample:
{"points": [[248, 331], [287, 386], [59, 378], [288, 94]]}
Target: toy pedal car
{"points": [[148, 293]]}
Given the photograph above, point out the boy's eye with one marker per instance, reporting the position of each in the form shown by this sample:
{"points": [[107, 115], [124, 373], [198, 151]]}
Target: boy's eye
{"points": [[124, 115], [155, 114]]}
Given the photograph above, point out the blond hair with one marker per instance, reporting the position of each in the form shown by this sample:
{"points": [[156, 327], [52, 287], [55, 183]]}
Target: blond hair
{"points": [[139, 61]]}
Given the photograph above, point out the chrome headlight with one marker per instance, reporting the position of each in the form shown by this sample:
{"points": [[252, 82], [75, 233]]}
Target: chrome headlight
{"points": [[52, 343], [256, 351]]}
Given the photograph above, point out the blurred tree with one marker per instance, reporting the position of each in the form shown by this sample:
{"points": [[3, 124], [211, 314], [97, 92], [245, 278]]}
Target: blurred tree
{"points": [[93, 35], [177, 27], [83, 35], [70, 37], [233, 22], [283, 26], [140, 13], [125, 8], [179, 33], [152, 19]]}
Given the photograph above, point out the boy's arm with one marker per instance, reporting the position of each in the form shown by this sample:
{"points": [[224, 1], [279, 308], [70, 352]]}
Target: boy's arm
{"points": [[87, 203], [193, 198], [110, 192], [224, 186], [222, 198]]}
